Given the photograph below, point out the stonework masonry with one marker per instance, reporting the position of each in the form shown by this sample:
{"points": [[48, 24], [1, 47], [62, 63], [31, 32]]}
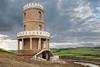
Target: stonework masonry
{"points": [[33, 39]]}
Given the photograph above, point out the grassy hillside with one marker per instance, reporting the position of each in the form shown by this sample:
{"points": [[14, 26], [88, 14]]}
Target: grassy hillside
{"points": [[9, 59], [78, 52], [6, 52]]}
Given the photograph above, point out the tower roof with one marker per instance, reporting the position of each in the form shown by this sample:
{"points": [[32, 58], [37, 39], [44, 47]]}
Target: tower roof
{"points": [[33, 5]]}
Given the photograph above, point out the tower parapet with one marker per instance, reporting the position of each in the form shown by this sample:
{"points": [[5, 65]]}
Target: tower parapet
{"points": [[33, 5]]}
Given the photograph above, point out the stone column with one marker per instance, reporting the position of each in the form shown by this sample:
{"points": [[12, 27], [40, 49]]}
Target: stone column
{"points": [[39, 43], [47, 43], [31, 43], [18, 45], [44, 44], [22, 43]]}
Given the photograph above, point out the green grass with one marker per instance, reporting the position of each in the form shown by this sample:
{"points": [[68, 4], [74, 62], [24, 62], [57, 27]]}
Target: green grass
{"points": [[2, 51], [78, 52]]}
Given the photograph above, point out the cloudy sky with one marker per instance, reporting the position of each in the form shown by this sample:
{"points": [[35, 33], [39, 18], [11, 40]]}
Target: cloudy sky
{"points": [[66, 20]]}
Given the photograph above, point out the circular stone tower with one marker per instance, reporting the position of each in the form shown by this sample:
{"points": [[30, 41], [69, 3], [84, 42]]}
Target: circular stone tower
{"points": [[33, 41]]}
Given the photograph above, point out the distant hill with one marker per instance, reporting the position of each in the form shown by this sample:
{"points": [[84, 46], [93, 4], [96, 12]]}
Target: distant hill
{"points": [[9, 59], [87, 52]]}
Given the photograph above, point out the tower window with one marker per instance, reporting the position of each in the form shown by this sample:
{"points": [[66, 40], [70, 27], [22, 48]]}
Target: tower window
{"points": [[24, 27], [24, 13], [40, 15], [40, 27]]}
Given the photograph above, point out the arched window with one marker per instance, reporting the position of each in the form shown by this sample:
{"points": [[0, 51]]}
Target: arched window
{"points": [[24, 15], [40, 14], [24, 27], [40, 27]]}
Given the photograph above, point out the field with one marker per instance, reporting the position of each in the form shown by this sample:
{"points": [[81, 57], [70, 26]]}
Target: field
{"points": [[86, 52]]}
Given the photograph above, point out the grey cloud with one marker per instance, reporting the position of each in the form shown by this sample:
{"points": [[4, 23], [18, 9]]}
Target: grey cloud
{"points": [[10, 17], [60, 22]]}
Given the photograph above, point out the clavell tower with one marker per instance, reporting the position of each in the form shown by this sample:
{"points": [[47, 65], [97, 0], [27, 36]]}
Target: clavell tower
{"points": [[33, 41]]}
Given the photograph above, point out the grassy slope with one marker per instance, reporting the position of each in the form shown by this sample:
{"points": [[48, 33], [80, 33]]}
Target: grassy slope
{"points": [[8, 59], [93, 53]]}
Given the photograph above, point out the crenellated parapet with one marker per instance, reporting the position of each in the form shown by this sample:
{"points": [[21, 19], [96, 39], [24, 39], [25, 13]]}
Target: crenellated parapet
{"points": [[33, 5]]}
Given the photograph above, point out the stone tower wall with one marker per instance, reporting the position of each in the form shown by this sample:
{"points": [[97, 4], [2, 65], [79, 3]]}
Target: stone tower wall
{"points": [[33, 19]]}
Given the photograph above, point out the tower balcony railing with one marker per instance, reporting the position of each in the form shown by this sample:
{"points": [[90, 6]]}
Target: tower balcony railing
{"points": [[33, 33]]}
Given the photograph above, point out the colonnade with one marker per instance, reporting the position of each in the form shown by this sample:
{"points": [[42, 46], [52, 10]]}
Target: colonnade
{"points": [[45, 44]]}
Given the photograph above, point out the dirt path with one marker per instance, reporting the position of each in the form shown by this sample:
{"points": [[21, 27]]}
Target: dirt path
{"points": [[18, 62]]}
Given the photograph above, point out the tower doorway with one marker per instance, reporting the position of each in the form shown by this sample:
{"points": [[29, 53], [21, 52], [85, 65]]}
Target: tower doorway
{"points": [[45, 55]]}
